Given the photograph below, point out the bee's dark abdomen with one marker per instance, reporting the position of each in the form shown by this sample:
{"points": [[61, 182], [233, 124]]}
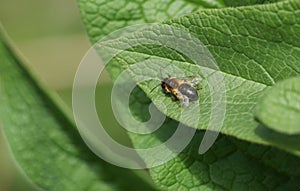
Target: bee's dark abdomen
{"points": [[188, 91]]}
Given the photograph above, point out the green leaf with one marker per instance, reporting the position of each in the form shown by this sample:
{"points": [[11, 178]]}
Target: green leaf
{"points": [[236, 3], [103, 17], [251, 57], [43, 138], [222, 168], [279, 109]]}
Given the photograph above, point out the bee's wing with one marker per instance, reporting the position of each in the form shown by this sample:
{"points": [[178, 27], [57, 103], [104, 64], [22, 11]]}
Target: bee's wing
{"points": [[194, 80]]}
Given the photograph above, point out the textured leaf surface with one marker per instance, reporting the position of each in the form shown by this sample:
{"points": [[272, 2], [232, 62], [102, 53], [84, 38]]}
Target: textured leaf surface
{"points": [[44, 141], [252, 52], [279, 109], [104, 17]]}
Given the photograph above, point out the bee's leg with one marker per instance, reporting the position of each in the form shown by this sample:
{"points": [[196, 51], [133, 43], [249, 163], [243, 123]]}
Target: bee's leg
{"points": [[167, 90], [184, 100], [174, 97]]}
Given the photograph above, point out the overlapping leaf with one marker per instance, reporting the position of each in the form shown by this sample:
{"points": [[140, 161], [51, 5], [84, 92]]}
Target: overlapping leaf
{"points": [[279, 109], [44, 140]]}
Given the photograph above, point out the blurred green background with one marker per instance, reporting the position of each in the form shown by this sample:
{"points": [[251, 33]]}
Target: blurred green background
{"points": [[52, 39]]}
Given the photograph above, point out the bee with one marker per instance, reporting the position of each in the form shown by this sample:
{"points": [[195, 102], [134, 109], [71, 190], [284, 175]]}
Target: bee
{"points": [[182, 89]]}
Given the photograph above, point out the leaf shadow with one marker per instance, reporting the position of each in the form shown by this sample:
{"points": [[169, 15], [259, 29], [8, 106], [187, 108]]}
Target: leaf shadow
{"points": [[290, 142]]}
